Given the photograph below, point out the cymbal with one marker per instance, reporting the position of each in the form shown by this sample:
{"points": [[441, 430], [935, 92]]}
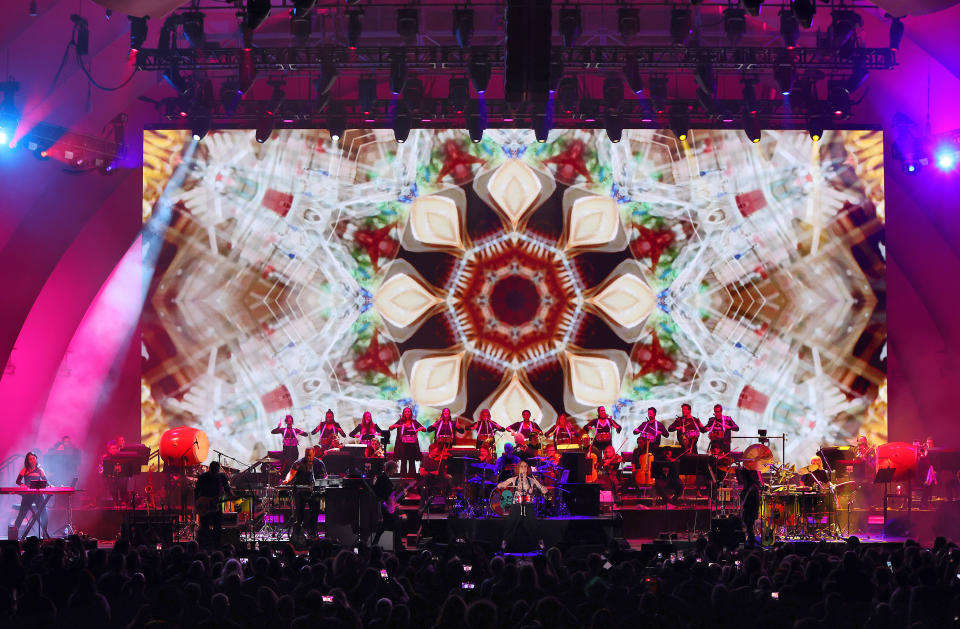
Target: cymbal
{"points": [[484, 466], [757, 457]]}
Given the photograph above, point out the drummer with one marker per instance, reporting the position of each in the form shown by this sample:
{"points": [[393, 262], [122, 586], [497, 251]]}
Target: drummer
{"points": [[603, 427], [445, 429], [486, 427], [506, 463], [291, 443], [367, 429], [814, 475], [564, 432]]}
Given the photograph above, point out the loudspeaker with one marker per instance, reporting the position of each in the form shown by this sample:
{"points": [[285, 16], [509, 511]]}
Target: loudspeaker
{"points": [[350, 512], [582, 498]]}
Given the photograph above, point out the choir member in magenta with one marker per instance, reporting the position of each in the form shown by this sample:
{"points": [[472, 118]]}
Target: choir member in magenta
{"points": [[564, 432], [602, 429], [291, 443], [445, 429], [486, 428], [367, 429]]}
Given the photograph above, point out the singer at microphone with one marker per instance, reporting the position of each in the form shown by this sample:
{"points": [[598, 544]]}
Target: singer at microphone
{"points": [[522, 531]]}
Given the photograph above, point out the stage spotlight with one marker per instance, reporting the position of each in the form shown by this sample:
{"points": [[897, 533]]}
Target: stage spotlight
{"points": [[200, 126], [398, 72], [752, 6], [336, 122], [838, 98], [751, 126], [458, 94], [784, 74], [658, 93], [843, 28], [173, 77], [477, 121], [896, 32], [32, 11], [946, 160], [328, 76], [735, 23], [634, 80], [613, 123], [679, 123], [815, 129], [628, 21], [479, 69], [568, 94], [354, 28], [542, 123], [193, 29], [705, 78], [367, 94], [789, 29], [612, 91], [265, 126], [463, 26], [804, 10], [706, 101], [401, 124], [257, 13], [408, 24], [138, 32], [570, 25], [301, 27], [555, 74], [681, 21]]}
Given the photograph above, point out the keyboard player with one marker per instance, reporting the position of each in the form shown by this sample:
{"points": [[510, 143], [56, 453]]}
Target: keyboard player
{"points": [[302, 476], [30, 476]]}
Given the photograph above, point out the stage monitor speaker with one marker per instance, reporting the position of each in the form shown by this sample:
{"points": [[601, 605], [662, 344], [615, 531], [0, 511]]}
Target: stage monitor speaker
{"points": [[348, 512], [576, 462], [582, 498]]}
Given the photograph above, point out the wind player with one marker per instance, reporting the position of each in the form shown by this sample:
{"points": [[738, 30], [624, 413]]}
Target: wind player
{"points": [[486, 427], [407, 449], [291, 443], [367, 430], [328, 430], [602, 429], [688, 429], [530, 430], [445, 429], [720, 428], [31, 472], [564, 432]]}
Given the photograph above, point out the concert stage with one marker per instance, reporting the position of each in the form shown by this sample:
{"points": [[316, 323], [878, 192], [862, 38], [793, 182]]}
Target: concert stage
{"points": [[565, 531]]}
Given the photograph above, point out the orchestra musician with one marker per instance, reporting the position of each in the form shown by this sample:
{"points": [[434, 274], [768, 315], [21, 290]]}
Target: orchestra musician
{"points": [[211, 488], [720, 428], [112, 471], [530, 431], [688, 429], [507, 462], [815, 475], [609, 477], [486, 455], [31, 473], [650, 432], [445, 429], [522, 518], [329, 430], [602, 429], [302, 476], [486, 427], [291, 443], [407, 449], [666, 478], [434, 478], [367, 430], [564, 432]]}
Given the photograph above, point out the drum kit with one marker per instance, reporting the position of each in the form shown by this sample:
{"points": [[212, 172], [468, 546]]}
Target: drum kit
{"points": [[788, 508], [482, 498]]}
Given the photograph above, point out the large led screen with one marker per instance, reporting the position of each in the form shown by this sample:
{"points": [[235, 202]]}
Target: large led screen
{"points": [[305, 274]]}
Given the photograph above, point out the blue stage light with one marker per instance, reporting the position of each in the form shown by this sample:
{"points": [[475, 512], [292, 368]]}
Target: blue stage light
{"points": [[946, 160]]}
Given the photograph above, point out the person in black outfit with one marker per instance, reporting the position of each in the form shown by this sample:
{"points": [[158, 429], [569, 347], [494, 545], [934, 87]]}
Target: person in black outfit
{"points": [[208, 493], [688, 429], [506, 463], [383, 488], [291, 442], [721, 428], [752, 485], [407, 449], [666, 477], [367, 429], [302, 476], [31, 473]]}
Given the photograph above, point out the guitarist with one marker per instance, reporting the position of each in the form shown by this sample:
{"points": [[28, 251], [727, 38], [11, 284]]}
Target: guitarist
{"points": [[688, 429], [209, 492], [389, 502]]}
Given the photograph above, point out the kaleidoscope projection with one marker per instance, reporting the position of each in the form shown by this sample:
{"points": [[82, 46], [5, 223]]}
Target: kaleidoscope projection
{"points": [[300, 275]]}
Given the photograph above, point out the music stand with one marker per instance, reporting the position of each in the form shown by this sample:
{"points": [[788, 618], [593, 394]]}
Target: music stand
{"points": [[884, 477]]}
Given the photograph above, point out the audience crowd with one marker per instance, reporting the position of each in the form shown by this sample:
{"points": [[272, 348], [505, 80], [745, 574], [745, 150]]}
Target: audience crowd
{"points": [[461, 586]]}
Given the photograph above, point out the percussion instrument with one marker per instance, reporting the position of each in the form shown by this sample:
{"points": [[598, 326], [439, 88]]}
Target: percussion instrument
{"points": [[45, 491], [500, 500], [183, 446], [757, 457]]}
